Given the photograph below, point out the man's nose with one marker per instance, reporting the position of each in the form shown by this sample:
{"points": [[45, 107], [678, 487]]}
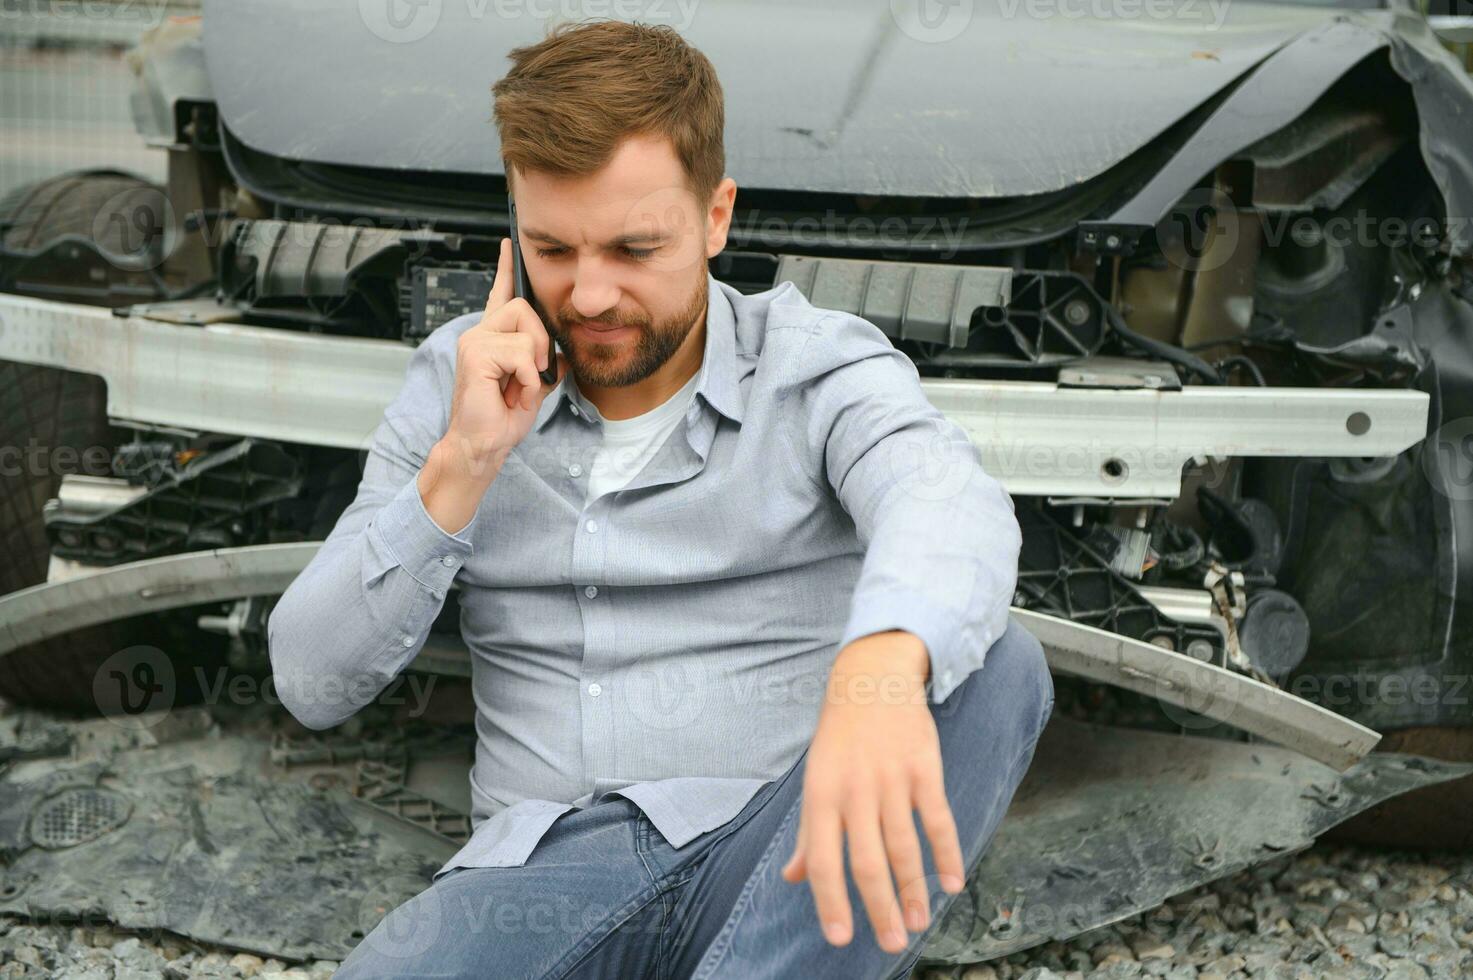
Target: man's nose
{"points": [[594, 289]]}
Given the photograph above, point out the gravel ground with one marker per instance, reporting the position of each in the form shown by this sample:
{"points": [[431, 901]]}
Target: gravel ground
{"points": [[1331, 911], [104, 953]]}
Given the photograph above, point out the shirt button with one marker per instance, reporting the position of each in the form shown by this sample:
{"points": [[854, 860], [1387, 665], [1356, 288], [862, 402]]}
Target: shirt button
{"points": [[575, 470], [408, 641], [946, 677], [437, 593], [591, 592], [574, 409], [591, 526], [448, 560], [594, 689]]}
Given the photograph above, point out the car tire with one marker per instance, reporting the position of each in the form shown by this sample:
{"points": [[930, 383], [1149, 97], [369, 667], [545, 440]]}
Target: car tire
{"points": [[45, 410]]}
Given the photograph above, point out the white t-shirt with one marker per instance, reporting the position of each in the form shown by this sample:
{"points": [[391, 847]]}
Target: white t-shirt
{"points": [[629, 443]]}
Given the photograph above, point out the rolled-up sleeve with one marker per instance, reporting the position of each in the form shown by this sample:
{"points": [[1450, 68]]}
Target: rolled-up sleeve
{"points": [[941, 534], [361, 609]]}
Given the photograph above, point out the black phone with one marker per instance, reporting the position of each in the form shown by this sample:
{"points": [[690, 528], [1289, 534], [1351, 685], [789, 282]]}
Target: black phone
{"points": [[522, 286]]}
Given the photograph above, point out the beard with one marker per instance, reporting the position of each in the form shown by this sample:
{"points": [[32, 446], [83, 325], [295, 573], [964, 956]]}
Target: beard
{"points": [[605, 365]]}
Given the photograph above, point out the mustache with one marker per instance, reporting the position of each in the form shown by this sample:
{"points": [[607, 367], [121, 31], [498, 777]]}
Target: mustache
{"points": [[567, 321]]}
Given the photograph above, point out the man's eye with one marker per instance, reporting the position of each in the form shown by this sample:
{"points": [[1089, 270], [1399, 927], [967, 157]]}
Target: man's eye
{"points": [[638, 254]]}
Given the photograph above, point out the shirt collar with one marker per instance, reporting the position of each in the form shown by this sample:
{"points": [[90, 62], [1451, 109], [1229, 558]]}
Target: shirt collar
{"points": [[718, 382]]}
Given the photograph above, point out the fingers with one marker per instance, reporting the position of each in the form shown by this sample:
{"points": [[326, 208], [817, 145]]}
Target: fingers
{"points": [[508, 360], [528, 322], [516, 316], [505, 355], [904, 850], [797, 868], [871, 868], [510, 314], [940, 827], [526, 370], [524, 386], [518, 393], [517, 342], [824, 857], [502, 287]]}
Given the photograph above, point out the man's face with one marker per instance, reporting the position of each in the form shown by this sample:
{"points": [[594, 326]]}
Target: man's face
{"points": [[618, 259]]}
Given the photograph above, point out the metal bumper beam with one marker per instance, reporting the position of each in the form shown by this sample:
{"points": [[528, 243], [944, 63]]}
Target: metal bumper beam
{"points": [[184, 364]]}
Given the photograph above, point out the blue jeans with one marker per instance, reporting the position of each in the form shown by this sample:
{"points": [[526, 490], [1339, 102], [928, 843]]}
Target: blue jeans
{"points": [[605, 896]]}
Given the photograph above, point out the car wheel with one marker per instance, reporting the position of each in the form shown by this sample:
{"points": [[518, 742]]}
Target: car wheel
{"points": [[49, 418]]}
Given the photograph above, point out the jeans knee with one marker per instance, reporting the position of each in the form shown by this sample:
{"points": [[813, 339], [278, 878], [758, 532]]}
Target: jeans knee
{"points": [[1027, 676], [1013, 682]]}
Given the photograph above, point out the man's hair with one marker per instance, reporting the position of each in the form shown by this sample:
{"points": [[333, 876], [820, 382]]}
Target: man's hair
{"points": [[569, 100]]}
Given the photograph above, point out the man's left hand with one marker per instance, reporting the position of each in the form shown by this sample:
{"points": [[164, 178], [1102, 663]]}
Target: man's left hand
{"points": [[875, 757]]}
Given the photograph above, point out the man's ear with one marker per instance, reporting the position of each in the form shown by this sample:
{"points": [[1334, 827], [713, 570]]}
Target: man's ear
{"points": [[718, 215]]}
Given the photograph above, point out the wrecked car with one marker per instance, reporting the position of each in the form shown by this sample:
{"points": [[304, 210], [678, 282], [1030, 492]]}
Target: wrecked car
{"points": [[1200, 294]]}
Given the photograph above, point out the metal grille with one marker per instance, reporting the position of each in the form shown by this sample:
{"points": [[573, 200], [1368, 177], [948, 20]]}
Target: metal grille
{"points": [[75, 816]]}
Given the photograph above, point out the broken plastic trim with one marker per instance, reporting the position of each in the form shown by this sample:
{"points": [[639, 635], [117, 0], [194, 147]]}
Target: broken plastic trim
{"points": [[54, 608]]}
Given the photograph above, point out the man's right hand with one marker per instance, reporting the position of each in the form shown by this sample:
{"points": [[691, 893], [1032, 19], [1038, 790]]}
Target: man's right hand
{"points": [[497, 396]]}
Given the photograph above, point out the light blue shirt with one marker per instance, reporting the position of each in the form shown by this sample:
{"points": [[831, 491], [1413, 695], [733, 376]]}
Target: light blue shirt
{"points": [[669, 642]]}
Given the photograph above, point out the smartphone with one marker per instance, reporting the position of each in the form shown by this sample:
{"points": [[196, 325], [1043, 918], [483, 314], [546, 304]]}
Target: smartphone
{"points": [[522, 286]]}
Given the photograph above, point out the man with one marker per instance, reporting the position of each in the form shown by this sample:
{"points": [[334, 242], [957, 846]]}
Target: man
{"points": [[736, 594]]}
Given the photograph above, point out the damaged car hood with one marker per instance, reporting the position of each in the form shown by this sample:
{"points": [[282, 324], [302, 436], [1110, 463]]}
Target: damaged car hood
{"points": [[996, 98]]}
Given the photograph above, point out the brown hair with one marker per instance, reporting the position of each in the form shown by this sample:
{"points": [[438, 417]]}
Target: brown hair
{"points": [[569, 99]]}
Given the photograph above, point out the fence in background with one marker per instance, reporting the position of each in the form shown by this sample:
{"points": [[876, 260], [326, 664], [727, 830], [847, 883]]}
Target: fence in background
{"points": [[64, 86]]}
